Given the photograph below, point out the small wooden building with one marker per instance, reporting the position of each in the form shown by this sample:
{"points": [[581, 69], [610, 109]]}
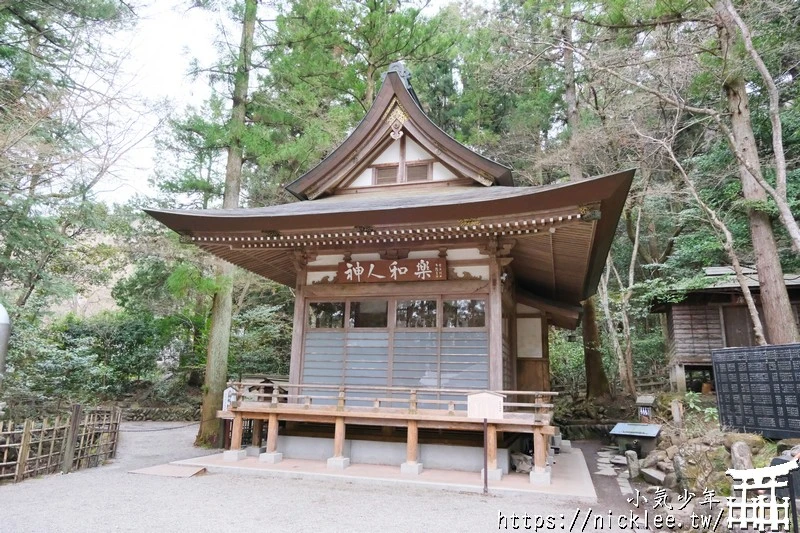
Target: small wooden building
{"points": [[710, 318], [417, 263]]}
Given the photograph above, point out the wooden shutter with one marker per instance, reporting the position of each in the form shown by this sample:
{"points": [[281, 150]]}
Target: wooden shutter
{"points": [[417, 172], [385, 175]]}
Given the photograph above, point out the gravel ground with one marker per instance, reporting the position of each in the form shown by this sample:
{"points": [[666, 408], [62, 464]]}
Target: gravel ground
{"points": [[108, 498]]}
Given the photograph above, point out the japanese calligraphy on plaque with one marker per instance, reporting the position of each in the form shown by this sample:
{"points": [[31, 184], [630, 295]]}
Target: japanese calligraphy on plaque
{"points": [[387, 271]]}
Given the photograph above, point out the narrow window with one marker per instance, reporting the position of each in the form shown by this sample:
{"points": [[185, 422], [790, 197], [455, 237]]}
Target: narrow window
{"points": [[385, 175], [416, 314], [326, 315], [418, 172], [369, 314], [464, 313]]}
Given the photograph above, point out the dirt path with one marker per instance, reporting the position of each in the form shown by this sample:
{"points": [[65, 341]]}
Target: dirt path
{"points": [[110, 499]]}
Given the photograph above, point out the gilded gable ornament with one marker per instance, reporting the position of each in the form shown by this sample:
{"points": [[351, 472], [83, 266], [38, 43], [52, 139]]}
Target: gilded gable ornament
{"points": [[396, 119]]}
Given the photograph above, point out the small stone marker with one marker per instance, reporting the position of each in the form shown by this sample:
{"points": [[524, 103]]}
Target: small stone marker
{"points": [[633, 463]]}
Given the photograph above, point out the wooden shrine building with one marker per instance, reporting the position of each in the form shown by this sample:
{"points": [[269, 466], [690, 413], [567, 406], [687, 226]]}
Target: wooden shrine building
{"points": [[420, 271]]}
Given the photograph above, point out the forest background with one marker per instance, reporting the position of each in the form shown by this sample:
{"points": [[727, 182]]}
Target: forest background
{"points": [[699, 96]]}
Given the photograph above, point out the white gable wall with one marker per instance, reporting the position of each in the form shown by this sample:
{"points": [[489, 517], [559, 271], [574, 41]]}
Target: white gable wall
{"points": [[414, 152]]}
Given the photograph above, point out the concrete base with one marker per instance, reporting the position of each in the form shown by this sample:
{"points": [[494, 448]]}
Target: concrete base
{"points": [[271, 458], [433, 456], [255, 451], [338, 463], [566, 446], [234, 455], [495, 474], [541, 478], [411, 469]]}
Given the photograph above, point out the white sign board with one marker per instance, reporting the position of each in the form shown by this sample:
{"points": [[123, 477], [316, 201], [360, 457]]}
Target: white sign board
{"points": [[485, 405], [228, 397]]}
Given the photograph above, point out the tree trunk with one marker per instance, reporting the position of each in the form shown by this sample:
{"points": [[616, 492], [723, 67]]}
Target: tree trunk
{"points": [[596, 379], [778, 316], [216, 377]]}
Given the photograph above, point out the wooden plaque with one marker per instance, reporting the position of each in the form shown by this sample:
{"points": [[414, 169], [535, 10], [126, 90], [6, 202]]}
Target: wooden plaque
{"points": [[388, 271]]}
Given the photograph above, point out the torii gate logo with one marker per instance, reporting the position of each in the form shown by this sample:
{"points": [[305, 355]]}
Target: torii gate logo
{"points": [[761, 511]]}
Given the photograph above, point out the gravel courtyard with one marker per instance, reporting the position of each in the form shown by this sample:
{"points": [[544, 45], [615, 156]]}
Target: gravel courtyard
{"points": [[110, 499]]}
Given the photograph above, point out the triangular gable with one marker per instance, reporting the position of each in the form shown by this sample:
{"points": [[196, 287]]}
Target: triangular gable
{"points": [[394, 113]]}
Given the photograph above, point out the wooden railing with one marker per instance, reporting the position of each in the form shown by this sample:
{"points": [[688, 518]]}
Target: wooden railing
{"points": [[343, 396], [387, 406]]}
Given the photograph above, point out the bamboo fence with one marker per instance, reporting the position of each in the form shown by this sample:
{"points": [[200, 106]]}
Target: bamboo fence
{"points": [[81, 439]]}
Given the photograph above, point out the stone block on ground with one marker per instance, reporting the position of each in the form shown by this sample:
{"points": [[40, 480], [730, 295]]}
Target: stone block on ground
{"points": [[671, 451], [653, 475], [755, 442], [741, 458], [414, 469], [338, 463], [788, 445], [541, 478], [271, 458], [495, 474], [633, 463], [233, 455], [619, 460], [666, 466]]}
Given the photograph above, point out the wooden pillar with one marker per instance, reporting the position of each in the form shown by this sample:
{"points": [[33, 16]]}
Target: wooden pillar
{"points": [[495, 325], [539, 450], [338, 438], [298, 328], [236, 433], [272, 433], [256, 440], [412, 447], [491, 447]]}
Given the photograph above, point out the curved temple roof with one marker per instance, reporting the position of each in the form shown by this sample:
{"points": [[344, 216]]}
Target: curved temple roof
{"points": [[558, 235]]}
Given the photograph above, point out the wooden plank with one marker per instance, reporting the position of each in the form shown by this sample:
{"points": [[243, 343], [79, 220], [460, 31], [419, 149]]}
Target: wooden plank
{"points": [[412, 445], [71, 439], [398, 289], [24, 450]]}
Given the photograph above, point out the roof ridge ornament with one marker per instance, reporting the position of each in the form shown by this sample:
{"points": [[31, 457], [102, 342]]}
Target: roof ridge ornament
{"points": [[400, 68]]}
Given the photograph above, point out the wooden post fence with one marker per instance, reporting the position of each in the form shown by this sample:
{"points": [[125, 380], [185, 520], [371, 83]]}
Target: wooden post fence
{"points": [[40, 447]]}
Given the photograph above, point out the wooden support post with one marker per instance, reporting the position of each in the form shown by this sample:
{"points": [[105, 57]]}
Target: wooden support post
{"points": [[338, 461], [491, 447], [257, 426], [412, 447], [272, 433], [340, 401], [24, 449], [539, 450], [70, 439], [412, 466], [338, 438], [495, 320], [236, 432]]}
